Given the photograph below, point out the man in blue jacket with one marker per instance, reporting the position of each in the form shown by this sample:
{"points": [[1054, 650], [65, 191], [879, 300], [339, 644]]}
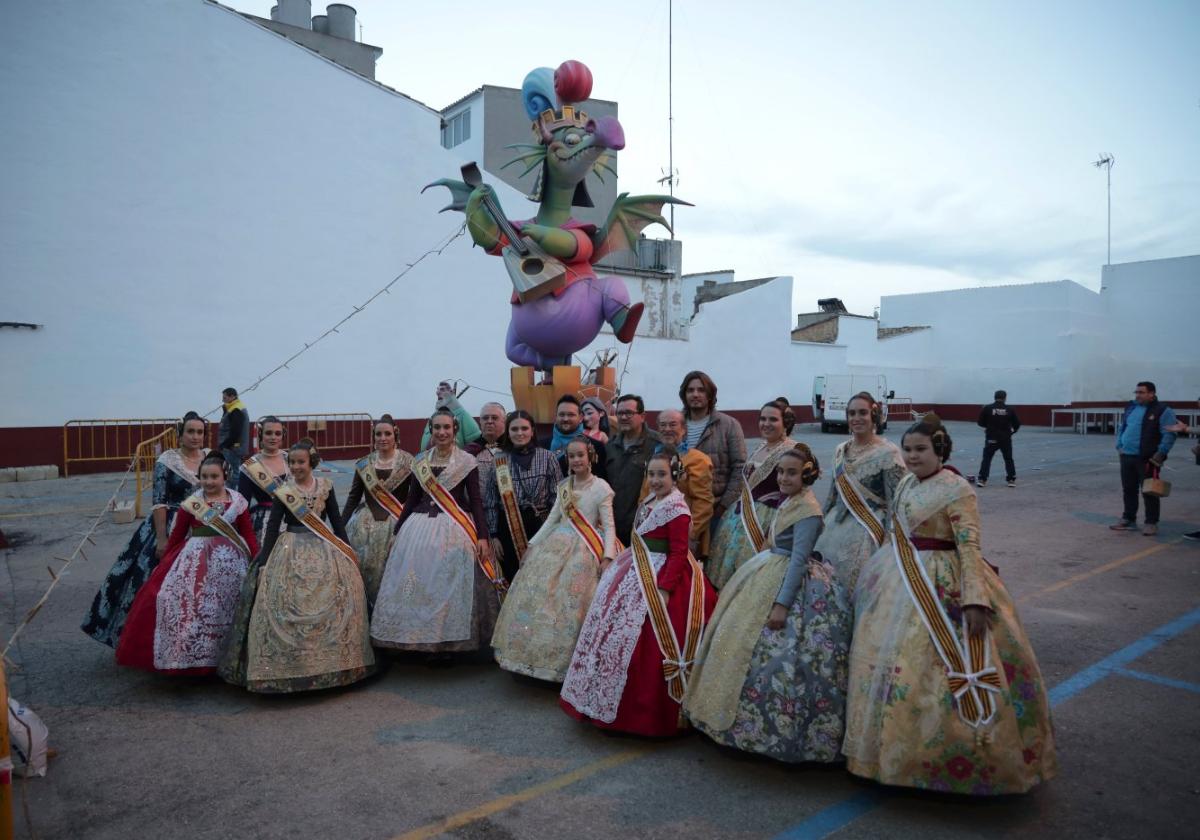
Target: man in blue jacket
{"points": [[1143, 440]]}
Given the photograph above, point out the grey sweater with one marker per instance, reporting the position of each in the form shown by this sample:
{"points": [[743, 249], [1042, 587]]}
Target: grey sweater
{"points": [[797, 543]]}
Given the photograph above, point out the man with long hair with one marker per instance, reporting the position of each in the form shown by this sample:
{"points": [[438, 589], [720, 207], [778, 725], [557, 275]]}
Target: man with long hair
{"points": [[715, 434]]}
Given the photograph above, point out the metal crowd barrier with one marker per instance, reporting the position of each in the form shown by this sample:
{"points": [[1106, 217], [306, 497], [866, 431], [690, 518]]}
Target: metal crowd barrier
{"points": [[108, 439], [901, 408], [147, 454], [346, 431]]}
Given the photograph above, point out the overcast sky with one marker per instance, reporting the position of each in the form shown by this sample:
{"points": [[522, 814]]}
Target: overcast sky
{"points": [[866, 148]]}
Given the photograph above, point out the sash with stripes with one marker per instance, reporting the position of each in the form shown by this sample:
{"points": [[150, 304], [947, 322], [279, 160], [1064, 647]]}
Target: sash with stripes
{"points": [[970, 674], [508, 500], [261, 476], [676, 667], [852, 498], [586, 530], [290, 495], [449, 506], [370, 479], [750, 521], [207, 514]]}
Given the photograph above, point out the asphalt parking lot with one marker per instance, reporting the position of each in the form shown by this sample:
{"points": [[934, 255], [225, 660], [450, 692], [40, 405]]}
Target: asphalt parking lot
{"points": [[469, 751]]}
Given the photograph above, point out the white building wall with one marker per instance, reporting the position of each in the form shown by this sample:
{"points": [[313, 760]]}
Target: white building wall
{"points": [[190, 197], [1153, 310]]}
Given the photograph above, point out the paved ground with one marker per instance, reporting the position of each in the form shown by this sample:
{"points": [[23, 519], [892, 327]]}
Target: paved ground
{"points": [[471, 752]]}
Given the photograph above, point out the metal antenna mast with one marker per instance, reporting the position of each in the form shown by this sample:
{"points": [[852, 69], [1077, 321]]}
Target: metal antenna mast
{"points": [[1106, 162], [670, 105]]}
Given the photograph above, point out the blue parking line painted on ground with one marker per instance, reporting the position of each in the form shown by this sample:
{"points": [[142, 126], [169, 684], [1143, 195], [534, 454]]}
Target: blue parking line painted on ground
{"points": [[1159, 680], [1094, 673], [830, 819], [838, 816]]}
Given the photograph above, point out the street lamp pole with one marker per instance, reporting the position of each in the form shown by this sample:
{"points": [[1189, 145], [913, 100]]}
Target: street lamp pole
{"points": [[1106, 163]]}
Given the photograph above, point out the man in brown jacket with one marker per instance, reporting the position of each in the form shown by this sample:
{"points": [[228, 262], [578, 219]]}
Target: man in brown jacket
{"points": [[695, 483], [717, 435]]}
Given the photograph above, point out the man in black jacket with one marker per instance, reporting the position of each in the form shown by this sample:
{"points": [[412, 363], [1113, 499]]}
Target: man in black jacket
{"points": [[1000, 424], [233, 435]]}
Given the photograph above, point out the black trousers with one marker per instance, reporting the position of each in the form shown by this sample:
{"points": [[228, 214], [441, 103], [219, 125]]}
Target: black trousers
{"points": [[1133, 470], [1004, 445]]}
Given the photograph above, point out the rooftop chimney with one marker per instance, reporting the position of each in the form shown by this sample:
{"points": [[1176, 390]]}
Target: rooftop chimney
{"points": [[295, 13], [320, 23], [341, 21], [275, 13]]}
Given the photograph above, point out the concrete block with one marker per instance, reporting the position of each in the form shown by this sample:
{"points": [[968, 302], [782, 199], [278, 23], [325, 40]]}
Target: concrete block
{"points": [[40, 473], [8, 474], [122, 513]]}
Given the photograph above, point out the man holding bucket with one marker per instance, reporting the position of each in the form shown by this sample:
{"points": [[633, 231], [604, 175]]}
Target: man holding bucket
{"points": [[1143, 440]]}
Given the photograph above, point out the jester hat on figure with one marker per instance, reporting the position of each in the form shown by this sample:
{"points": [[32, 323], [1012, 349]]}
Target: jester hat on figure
{"points": [[567, 139]]}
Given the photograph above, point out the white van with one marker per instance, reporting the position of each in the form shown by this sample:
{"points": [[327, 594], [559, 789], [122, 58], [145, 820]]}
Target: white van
{"points": [[831, 392]]}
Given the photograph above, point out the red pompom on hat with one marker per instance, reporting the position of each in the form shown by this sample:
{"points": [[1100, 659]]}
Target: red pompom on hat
{"points": [[572, 82]]}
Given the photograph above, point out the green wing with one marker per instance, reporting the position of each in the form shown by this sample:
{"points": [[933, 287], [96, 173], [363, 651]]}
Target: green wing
{"points": [[459, 193], [629, 215]]}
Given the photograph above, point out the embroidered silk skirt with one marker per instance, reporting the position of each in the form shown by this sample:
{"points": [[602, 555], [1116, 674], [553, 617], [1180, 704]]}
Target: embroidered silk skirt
{"points": [[615, 679], [779, 693], [731, 547], [902, 725], [545, 608], [181, 616], [433, 596], [301, 621], [106, 619], [369, 539]]}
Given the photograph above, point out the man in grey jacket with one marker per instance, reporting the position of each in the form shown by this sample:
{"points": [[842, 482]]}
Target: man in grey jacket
{"points": [[715, 434]]}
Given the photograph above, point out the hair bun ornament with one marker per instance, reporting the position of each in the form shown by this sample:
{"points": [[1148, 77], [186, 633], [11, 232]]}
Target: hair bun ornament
{"points": [[572, 82], [537, 91]]}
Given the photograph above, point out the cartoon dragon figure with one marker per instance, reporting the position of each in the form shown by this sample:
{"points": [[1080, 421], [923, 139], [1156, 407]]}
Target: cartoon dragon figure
{"points": [[559, 303]]}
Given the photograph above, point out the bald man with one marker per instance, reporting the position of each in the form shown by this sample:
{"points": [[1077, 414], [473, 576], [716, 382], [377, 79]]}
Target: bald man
{"points": [[695, 483]]}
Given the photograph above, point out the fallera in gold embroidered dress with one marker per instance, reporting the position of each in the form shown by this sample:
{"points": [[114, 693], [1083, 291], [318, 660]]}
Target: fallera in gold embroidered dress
{"points": [[301, 618], [549, 599], [904, 726]]}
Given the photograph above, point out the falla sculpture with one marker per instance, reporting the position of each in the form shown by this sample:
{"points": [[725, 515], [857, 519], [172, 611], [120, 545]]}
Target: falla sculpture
{"points": [[559, 303]]}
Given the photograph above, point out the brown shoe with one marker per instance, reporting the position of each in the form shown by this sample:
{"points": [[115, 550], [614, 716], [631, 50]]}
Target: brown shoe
{"points": [[1123, 525], [1151, 530]]}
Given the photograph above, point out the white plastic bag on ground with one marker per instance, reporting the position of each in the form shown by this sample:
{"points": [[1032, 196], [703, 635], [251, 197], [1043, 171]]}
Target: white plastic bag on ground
{"points": [[28, 737]]}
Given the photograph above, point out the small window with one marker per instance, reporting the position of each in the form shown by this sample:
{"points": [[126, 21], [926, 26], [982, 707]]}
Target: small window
{"points": [[457, 129]]}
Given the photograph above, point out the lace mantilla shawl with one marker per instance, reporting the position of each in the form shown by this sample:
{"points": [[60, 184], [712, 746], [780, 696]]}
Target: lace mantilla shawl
{"points": [[653, 514]]}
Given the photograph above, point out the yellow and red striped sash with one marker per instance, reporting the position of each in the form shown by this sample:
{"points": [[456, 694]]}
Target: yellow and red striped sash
{"points": [[677, 668], [260, 475], [853, 501], [750, 521], [508, 499], [206, 513], [586, 530], [372, 484], [971, 686], [293, 500], [450, 506]]}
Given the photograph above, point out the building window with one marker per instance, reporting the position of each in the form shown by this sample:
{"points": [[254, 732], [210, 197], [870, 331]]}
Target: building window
{"points": [[457, 129]]}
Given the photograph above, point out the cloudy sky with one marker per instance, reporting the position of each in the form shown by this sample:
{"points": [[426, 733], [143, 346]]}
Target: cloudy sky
{"points": [[866, 148]]}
